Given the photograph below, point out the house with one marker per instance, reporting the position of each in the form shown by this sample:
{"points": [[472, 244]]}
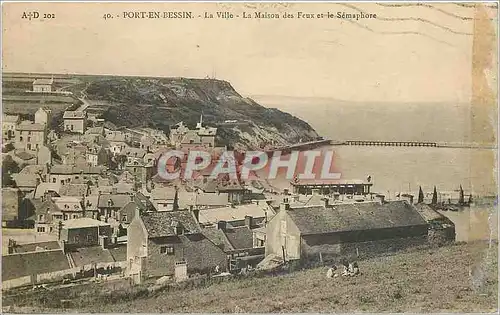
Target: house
{"points": [[139, 163], [95, 131], [9, 124], [30, 136], [44, 213], [164, 198], [237, 243], [85, 232], [182, 136], [43, 85], [109, 205], [147, 142], [349, 229], [75, 121], [11, 201], [31, 264], [43, 117], [27, 181], [65, 174], [79, 191], [69, 207], [117, 141], [97, 155], [158, 242]]}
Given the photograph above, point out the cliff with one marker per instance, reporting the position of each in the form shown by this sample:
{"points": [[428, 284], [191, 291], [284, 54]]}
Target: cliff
{"points": [[163, 102]]}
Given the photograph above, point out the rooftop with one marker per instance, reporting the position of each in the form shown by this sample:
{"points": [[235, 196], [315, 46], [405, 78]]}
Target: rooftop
{"points": [[355, 216], [30, 126], [43, 81], [26, 264], [83, 223], [164, 223], [74, 114], [10, 118]]}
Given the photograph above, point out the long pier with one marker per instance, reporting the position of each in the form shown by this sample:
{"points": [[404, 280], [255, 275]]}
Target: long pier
{"points": [[389, 143]]}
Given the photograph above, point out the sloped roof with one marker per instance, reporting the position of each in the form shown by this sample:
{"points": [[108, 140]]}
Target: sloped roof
{"points": [[161, 224], [119, 252], [68, 203], [217, 237], [240, 237], [355, 216], [75, 190], [115, 201], [10, 118], [42, 207], [211, 199], [73, 114], [89, 255], [42, 188], [26, 264], [26, 180], [43, 81], [163, 193], [200, 253], [83, 223], [133, 152], [30, 126]]}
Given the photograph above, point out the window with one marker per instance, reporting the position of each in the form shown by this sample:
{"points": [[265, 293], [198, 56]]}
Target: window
{"points": [[40, 217], [90, 239], [124, 218], [21, 138], [29, 139], [65, 217], [41, 229], [169, 250], [75, 216], [29, 133], [77, 238]]}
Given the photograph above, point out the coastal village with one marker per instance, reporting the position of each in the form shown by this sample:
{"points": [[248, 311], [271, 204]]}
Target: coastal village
{"points": [[89, 193]]}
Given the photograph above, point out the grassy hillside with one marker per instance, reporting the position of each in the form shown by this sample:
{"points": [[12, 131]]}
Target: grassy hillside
{"points": [[448, 279], [163, 102]]}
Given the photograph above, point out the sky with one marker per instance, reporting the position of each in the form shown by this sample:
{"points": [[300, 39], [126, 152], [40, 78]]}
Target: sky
{"points": [[408, 54]]}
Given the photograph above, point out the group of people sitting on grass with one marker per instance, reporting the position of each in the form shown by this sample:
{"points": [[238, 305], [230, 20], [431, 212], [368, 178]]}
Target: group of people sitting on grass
{"points": [[348, 269]]}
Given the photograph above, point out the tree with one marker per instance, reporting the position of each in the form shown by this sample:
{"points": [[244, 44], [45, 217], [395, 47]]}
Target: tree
{"points": [[9, 167], [434, 197], [420, 195]]}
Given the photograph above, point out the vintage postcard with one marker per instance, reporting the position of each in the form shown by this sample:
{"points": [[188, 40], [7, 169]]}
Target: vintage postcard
{"points": [[259, 157]]}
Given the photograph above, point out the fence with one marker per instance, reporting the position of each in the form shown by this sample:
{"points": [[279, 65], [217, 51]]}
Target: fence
{"points": [[86, 271]]}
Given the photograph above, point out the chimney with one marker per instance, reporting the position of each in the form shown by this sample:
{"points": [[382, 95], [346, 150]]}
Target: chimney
{"points": [[249, 221], [222, 225], [326, 202], [380, 199], [285, 204]]}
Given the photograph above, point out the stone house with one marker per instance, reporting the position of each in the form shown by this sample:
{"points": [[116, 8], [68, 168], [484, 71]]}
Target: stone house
{"points": [[30, 136], [9, 124], [158, 241], [43, 85], [362, 229], [84, 232]]}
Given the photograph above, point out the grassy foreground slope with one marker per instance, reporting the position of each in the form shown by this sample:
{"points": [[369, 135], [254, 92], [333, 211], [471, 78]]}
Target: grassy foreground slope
{"points": [[449, 279]]}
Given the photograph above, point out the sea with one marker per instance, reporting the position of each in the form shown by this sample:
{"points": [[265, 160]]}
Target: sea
{"points": [[396, 170]]}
